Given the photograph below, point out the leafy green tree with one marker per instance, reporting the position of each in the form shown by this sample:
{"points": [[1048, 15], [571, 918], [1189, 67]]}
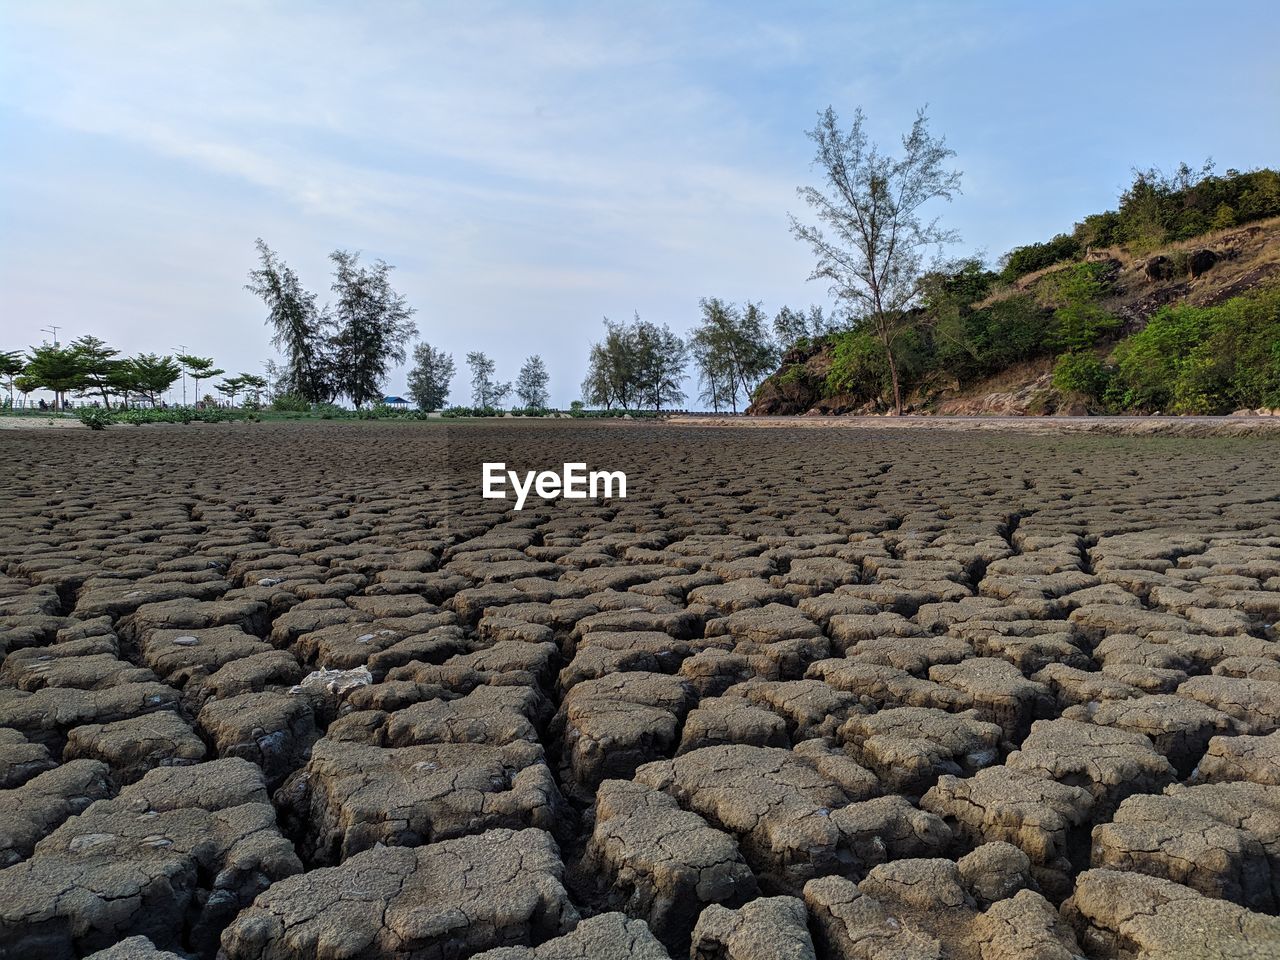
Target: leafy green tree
{"points": [[872, 204], [969, 341], [430, 377], [253, 385], [230, 388], [1208, 360], [531, 383], [1036, 256], [712, 358], [753, 351], [98, 367], [11, 365], [1080, 320], [149, 375], [26, 385], [791, 326], [731, 350], [198, 368], [300, 329], [612, 368], [859, 367], [660, 360], [486, 392], [636, 364], [374, 325], [1081, 372], [59, 369]]}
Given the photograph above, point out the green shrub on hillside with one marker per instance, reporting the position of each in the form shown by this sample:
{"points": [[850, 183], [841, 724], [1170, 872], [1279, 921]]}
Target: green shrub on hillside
{"points": [[1079, 320], [1081, 373], [1207, 360], [1159, 207], [1036, 256], [979, 343], [859, 367]]}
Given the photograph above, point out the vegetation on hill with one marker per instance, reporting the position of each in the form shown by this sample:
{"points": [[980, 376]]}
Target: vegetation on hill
{"points": [[1169, 303]]}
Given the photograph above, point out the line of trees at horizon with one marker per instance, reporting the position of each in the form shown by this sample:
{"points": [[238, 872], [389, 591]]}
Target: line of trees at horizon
{"points": [[433, 371], [93, 370], [643, 365]]}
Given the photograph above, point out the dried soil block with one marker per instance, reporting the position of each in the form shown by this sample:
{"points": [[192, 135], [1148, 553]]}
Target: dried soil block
{"points": [[609, 936], [351, 796], [614, 724], [34, 809], [132, 747], [653, 860], [797, 814], [1047, 820], [1220, 839], [447, 900], [1180, 727], [173, 858], [770, 928], [1118, 913], [1255, 759], [908, 748], [1108, 762]]}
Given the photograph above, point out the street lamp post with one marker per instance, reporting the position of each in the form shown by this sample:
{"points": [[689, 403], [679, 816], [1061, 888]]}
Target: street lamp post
{"points": [[182, 352]]}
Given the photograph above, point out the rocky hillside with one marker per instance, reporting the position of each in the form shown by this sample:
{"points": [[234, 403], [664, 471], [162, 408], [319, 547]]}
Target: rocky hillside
{"points": [[1129, 289]]}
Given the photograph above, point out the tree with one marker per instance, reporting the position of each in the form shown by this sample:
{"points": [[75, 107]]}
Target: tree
{"points": [[98, 365], [253, 385], [660, 359], [719, 388], [11, 366], [149, 375], [792, 326], [752, 349], [1080, 318], [611, 378], [531, 384], [57, 368], [430, 377], [711, 355], [374, 326], [198, 368], [731, 350], [872, 206], [485, 391], [229, 388], [272, 371], [26, 385], [636, 364], [300, 329]]}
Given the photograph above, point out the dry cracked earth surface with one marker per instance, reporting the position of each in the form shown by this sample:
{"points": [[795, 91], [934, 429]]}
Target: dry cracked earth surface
{"points": [[274, 692]]}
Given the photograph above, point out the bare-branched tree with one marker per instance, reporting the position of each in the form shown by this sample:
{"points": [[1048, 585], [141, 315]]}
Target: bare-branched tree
{"points": [[873, 236]]}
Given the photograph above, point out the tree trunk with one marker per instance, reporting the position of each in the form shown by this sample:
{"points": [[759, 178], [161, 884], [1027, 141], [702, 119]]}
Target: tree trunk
{"points": [[893, 375]]}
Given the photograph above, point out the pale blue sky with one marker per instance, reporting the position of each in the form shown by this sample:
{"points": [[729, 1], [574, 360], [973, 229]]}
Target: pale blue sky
{"points": [[531, 168]]}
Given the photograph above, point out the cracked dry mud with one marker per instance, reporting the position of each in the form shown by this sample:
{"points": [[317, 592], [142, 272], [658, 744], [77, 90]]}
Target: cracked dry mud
{"points": [[280, 692]]}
